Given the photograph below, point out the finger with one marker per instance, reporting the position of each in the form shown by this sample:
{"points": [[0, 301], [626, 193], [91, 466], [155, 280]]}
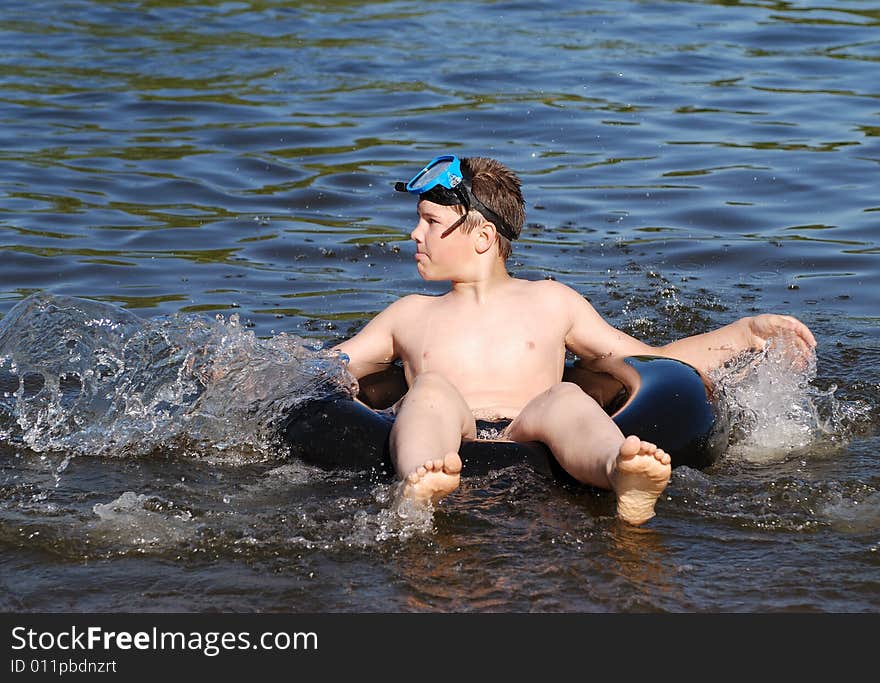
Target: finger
{"points": [[802, 331], [811, 340]]}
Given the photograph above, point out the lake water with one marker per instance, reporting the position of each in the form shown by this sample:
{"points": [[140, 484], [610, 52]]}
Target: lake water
{"points": [[684, 164]]}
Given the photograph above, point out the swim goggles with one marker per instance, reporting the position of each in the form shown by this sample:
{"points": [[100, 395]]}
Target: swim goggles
{"points": [[443, 182]]}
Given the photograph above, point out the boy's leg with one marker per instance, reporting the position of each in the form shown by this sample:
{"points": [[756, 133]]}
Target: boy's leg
{"points": [[591, 448], [432, 418]]}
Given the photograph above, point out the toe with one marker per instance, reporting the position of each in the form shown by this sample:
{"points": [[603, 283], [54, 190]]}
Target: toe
{"points": [[630, 446], [452, 463]]}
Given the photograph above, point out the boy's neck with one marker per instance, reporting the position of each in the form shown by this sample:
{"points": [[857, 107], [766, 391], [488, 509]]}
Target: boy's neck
{"points": [[481, 288]]}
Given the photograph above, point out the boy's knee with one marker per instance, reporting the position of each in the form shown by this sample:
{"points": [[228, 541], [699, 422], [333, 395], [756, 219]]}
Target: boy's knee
{"points": [[432, 390], [432, 385], [568, 398], [431, 381], [566, 391], [552, 409]]}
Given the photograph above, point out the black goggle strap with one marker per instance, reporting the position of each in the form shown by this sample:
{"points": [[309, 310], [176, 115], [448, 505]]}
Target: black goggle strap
{"points": [[460, 194], [473, 202], [446, 196], [492, 217], [454, 225]]}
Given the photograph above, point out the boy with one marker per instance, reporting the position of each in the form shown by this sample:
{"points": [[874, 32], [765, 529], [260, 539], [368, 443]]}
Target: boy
{"points": [[493, 348]]}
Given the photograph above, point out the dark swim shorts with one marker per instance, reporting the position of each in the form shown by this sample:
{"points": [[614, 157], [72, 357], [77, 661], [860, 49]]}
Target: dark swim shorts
{"points": [[488, 430]]}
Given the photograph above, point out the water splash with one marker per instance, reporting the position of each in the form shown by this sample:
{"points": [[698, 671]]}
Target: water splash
{"points": [[364, 513], [401, 517], [855, 515], [142, 522], [774, 407], [777, 500], [90, 378]]}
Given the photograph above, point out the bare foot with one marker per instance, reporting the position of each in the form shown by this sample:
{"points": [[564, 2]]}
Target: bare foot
{"points": [[641, 473], [433, 480]]}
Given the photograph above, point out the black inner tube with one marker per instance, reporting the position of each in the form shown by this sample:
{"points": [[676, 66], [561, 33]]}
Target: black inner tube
{"points": [[659, 399]]}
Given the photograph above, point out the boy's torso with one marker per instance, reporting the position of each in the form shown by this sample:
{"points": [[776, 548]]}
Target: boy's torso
{"points": [[499, 355]]}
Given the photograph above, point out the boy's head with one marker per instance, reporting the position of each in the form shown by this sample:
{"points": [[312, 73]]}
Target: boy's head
{"points": [[479, 189]]}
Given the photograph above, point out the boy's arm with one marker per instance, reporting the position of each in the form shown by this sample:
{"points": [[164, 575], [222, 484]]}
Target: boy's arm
{"points": [[595, 341], [591, 338], [712, 349], [372, 349]]}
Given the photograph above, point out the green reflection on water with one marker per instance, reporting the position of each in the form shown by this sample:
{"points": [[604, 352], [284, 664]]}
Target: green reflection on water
{"points": [[770, 146], [108, 262], [258, 238], [150, 152], [141, 301], [162, 216], [38, 233], [205, 308], [58, 203], [206, 256], [326, 292], [813, 226], [713, 169], [807, 276], [321, 315]]}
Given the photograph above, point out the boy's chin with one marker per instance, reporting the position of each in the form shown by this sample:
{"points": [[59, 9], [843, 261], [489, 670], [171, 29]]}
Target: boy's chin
{"points": [[430, 277], [427, 275]]}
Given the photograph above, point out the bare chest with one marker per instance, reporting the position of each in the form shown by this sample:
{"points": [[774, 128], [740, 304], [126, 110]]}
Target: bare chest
{"points": [[491, 344]]}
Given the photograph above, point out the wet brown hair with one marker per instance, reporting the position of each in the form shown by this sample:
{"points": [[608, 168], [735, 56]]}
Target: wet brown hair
{"points": [[500, 189]]}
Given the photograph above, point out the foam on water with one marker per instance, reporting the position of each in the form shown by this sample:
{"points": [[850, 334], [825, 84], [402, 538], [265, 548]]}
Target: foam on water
{"points": [[855, 515], [89, 378], [774, 407], [143, 522]]}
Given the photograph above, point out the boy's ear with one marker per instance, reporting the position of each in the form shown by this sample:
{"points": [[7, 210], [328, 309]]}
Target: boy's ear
{"points": [[485, 235]]}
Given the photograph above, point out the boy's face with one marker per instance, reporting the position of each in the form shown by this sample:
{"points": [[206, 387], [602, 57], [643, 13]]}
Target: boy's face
{"points": [[439, 257]]}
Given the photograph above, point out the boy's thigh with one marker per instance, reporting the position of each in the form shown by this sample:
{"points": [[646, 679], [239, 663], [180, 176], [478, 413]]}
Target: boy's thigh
{"points": [[561, 408], [444, 400]]}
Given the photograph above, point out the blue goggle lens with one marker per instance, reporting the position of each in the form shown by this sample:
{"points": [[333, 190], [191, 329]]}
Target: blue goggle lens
{"points": [[440, 179], [444, 171], [429, 177]]}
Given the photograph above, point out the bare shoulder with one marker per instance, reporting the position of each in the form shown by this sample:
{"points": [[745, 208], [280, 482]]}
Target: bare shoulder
{"points": [[553, 292], [402, 314], [376, 344], [396, 315], [409, 305]]}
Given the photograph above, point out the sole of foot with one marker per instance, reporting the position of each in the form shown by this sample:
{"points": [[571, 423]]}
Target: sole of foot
{"points": [[434, 479], [641, 474]]}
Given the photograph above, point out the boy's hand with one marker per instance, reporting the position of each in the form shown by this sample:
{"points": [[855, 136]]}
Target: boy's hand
{"points": [[762, 328]]}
